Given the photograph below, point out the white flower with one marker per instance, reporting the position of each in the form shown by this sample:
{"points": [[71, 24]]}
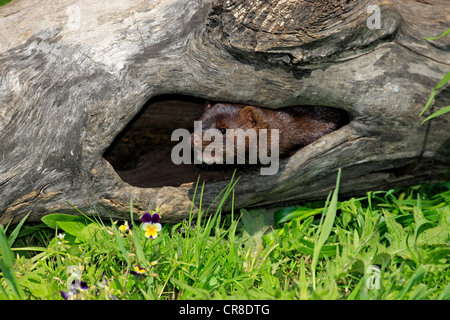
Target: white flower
{"points": [[61, 238]]}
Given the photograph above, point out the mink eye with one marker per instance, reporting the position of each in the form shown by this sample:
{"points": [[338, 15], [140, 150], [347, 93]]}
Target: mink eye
{"points": [[223, 130]]}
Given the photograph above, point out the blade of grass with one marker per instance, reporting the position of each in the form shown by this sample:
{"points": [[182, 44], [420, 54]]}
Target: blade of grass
{"points": [[287, 214], [438, 113], [445, 294], [200, 247], [137, 244], [325, 229], [224, 193], [354, 294], [137, 241], [4, 293], [416, 278], [6, 254], [211, 221], [200, 212], [302, 281], [15, 233], [82, 213], [7, 264], [433, 93], [120, 242], [438, 37], [131, 210]]}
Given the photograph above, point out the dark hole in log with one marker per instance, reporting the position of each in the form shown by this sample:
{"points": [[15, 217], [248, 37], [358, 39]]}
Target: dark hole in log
{"points": [[141, 153]]}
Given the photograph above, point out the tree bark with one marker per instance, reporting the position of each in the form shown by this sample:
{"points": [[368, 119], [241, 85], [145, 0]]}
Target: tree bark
{"points": [[82, 83]]}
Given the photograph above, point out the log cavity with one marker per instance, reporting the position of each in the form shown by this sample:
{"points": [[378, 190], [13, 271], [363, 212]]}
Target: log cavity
{"points": [[141, 153]]}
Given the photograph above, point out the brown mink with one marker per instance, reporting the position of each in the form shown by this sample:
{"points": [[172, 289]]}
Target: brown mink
{"points": [[298, 126]]}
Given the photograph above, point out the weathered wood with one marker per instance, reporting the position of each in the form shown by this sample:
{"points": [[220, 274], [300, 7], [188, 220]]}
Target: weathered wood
{"points": [[73, 75]]}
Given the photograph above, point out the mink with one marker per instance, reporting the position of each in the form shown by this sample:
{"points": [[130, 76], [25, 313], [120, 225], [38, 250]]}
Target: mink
{"points": [[298, 126]]}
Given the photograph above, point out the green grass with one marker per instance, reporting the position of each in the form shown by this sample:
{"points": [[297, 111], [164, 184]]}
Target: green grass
{"points": [[442, 83], [385, 245], [3, 2]]}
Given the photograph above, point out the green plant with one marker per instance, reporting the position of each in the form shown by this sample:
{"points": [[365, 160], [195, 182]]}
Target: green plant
{"points": [[386, 245], [3, 2], [7, 261], [441, 84]]}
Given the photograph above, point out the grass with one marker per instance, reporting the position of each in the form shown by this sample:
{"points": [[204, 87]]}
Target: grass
{"points": [[385, 245], [439, 86]]}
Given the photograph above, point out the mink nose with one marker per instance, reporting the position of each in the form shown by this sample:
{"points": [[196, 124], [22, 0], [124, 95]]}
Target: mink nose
{"points": [[195, 140]]}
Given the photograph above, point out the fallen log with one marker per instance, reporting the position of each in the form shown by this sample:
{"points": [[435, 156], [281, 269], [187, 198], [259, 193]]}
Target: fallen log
{"points": [[90, 94]]}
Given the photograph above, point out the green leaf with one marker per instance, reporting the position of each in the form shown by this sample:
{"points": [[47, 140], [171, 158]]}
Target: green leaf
{"points": [[294, 231], [269, 238], [87, 233], [15, 233], [357, 289], [7, 263], [433, 93], [437, 256], [4, 295], [325, 229], [6, 253], [416, 278], [438, 37], [30, 249], [328, 250], [396, 234], [438, 113], [302, 281], [198, 293], [439, 235], [137, 243], [55, 220], [445, 294], [11, 280], [301, 230], [78, 226], [288, 214], [72, 227], [421, 223], [120, 243], [400, 243], [3, 2]]}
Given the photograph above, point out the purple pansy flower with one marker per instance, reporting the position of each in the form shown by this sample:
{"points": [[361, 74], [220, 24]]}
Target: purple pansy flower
{"points": [[138, 271], [74, 292], [151, 225]]}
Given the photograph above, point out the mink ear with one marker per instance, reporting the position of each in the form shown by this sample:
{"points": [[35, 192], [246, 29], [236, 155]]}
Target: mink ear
{"points": [[250, 115]]}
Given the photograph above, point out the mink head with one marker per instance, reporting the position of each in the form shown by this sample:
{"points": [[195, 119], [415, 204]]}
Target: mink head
{"points": [[224, 116]]}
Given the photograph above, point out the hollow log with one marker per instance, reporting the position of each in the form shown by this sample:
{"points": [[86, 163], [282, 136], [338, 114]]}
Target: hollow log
{"points": [[90, 94]]}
